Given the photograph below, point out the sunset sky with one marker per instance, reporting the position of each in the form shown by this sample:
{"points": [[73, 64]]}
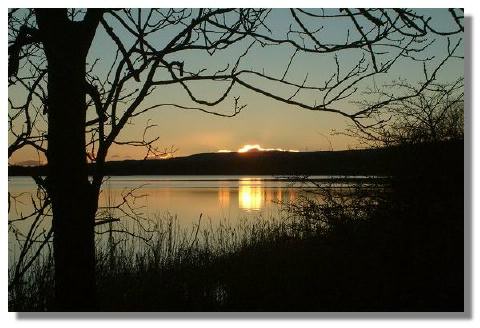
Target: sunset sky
{"points": [[264, 121]]}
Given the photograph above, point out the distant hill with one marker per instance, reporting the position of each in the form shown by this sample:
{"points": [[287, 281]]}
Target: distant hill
{"points": [[259, 163], [349, 162]]}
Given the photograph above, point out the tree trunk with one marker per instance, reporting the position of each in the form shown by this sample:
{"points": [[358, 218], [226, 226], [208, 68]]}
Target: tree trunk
{"points": [[73, 203]]}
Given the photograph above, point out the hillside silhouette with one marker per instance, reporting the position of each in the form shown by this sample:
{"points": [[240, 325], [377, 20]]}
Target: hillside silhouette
{"points": [[375, 161]]}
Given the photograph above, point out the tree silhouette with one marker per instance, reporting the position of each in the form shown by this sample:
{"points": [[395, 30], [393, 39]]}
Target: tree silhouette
{"points": [[72, 112], [433, 115]]}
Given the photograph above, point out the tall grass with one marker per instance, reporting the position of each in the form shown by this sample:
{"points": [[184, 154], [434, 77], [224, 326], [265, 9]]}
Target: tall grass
{"points": [[142, 260]]}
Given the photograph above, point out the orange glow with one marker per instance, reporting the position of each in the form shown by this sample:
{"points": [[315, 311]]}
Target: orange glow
{"points": [[247, 148], [224, 196], [161, 156], [256, 147], [250, 194]]}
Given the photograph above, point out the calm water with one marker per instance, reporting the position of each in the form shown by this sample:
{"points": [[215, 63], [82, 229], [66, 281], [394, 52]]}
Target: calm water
{"points": [[226, 199], [215, 197]]}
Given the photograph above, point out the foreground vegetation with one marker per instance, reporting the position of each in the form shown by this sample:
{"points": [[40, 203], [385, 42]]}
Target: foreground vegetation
{"points": [[395, 247]]}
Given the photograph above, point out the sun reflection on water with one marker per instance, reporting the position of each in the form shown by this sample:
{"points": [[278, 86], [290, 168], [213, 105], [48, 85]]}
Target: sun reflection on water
{"points": [[251, 194], [224, 196]]}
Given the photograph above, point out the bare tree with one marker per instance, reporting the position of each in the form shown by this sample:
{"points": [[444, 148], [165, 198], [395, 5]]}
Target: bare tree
{"points": [[32, 232], [433, 115], [74, 111]]}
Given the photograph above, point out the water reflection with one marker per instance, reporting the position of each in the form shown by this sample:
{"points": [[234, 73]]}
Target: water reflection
{"points": [[251, 194], [256, 194], [224, 196], [216, 198]]}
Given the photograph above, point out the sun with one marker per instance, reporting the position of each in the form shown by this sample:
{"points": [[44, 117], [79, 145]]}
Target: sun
{"points": [[247, 148], [255, 148]]}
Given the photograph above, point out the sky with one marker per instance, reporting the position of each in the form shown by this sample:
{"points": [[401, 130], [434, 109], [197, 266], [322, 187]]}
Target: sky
{"points": [[264, 121]]}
